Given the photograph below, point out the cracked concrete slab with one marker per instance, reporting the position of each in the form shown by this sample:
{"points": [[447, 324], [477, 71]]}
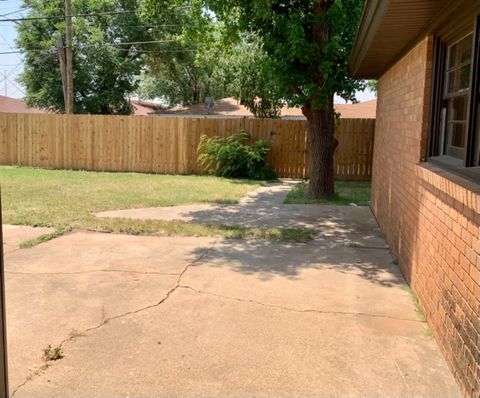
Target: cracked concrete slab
{"points": [[202, 346], [14, 235], [195, 317], [80, 280], [90, 251], [343, 279]]}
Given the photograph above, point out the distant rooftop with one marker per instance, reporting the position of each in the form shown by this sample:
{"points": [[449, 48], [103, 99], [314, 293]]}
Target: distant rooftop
{"points": [[14, 105], [231, 107]]}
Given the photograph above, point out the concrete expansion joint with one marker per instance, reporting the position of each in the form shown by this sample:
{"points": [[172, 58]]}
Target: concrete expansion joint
{"points": [[106, 320], [302, 311]]}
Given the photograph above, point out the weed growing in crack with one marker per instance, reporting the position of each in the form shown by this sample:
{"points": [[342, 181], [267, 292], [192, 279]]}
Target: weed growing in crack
{"points": [[52, 353]]}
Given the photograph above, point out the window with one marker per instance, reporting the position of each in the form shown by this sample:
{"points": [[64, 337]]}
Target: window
{"points": [[455, 114], [457, 88]]}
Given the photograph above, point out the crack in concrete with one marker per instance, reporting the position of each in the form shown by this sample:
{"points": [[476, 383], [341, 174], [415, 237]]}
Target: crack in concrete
{"points": [[290, 309], [93, 271], [369, 247], [107, 320]]}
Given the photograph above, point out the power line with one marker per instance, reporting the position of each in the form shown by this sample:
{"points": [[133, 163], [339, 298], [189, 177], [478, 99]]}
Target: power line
{"points": [[131, 43], [81, 15], [11, 48], [84, 15], [13, 7], [21, 52], [10, 13], [52, 50]]}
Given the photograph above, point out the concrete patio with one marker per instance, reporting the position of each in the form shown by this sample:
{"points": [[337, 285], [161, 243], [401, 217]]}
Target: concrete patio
{"points": [[199, 317]]}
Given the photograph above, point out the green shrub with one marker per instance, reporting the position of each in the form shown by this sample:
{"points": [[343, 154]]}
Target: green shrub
{"points": [[235, 157]]}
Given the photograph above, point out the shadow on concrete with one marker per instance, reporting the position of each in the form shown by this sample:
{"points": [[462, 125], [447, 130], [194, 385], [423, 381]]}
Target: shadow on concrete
{"points": [[340, 245]]}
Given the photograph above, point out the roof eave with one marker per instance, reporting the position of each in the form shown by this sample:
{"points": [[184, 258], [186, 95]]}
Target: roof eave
{"points": [[371, 17]]}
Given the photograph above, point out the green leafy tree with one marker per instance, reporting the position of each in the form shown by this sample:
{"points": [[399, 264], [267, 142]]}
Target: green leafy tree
{"points": [[372, 86], [246, 69], [308, 43], [105, 70], [183, 66], [198, 58]]}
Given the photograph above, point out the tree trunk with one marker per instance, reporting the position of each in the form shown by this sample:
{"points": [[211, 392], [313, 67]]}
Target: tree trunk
{"points": [[322, 142]]}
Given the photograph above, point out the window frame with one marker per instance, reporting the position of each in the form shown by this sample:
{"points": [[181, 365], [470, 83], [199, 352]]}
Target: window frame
{"points": [[438, 137], [473, 139]]}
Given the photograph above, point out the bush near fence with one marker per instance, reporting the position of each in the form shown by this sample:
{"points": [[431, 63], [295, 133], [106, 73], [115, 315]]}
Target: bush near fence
{"points": [[168, 145]]}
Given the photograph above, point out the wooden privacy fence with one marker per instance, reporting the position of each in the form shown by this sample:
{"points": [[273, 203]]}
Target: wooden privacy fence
{"points": [[169, 144]]}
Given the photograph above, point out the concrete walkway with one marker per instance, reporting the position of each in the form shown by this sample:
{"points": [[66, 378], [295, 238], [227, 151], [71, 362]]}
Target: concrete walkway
{"points": [[264, 208], [195, 317]]}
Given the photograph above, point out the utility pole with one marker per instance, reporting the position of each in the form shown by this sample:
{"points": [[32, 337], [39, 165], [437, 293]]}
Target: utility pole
{"points": [[63, 69], [68, 57], [3, 327]]}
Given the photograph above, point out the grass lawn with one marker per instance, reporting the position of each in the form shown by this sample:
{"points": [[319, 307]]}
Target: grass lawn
{"points": [[346, 192], [65, 199]]}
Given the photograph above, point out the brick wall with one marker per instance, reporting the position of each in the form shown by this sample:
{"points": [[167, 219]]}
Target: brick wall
{"points": [[430, 217]]}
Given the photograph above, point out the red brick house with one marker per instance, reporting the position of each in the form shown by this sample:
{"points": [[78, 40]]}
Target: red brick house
{"points": [[426, 173]]}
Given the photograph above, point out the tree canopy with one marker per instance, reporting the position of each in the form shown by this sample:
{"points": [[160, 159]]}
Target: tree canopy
{"points": [[182, 67], [105, 71], [201, 58], [177, 50], [308, 43], [308, 63]]}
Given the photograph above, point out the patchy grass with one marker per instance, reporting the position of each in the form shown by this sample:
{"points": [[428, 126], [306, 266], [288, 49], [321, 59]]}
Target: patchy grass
{"points": [[54, 198], [182, 228], [44, 238], [418, 307], [346, 192], [66, 199]]}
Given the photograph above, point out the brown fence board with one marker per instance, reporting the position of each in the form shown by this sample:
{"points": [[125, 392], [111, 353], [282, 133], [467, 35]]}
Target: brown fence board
{"points": [[168, 145]]}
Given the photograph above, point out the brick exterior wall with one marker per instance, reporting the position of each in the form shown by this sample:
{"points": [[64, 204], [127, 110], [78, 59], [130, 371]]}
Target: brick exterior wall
{"points": [[430, 217]]}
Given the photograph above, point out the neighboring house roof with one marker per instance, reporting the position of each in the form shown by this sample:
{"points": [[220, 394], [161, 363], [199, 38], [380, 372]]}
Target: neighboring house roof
{"points": [[390, 28], [141, 110], [231, 107], [145, 107], [14, 105], [361, 110]]}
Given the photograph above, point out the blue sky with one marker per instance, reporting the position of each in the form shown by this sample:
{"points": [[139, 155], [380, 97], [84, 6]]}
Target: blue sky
{"points": [[11, 64]]}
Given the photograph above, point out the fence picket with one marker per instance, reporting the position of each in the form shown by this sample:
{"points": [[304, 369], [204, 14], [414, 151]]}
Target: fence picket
{"points": [[169, 144]]}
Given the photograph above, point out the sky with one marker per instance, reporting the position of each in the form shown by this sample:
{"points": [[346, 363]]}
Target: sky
{"points": [[11, 65]]}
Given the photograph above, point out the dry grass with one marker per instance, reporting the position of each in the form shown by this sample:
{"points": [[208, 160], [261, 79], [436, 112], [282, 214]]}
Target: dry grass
{"points": [[346, 192], [66, 199]]}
